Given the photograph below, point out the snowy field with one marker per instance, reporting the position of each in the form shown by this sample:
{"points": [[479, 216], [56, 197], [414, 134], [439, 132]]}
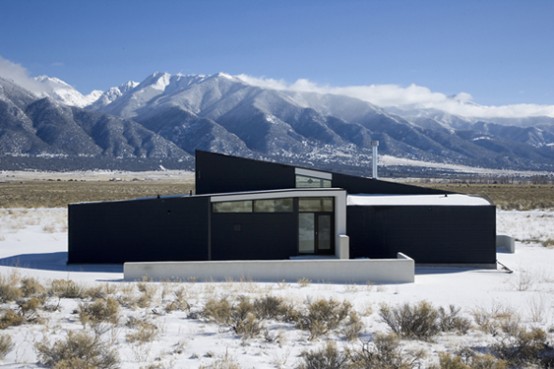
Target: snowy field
{"points": [[33, 243]]}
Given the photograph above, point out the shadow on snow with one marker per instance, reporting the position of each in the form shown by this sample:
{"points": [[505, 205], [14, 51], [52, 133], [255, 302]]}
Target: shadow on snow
{"points": [[56, 261]]}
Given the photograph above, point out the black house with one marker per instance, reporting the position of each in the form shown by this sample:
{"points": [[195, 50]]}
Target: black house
{"points": [[246, 209]]}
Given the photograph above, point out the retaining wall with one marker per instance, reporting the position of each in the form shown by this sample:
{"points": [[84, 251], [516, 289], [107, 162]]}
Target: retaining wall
{"points": [[400, 270]]}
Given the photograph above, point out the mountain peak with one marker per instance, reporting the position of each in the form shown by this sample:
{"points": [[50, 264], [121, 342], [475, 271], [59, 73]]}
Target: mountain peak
{"points": [[63, 92], [156, 81], [225, 75]]}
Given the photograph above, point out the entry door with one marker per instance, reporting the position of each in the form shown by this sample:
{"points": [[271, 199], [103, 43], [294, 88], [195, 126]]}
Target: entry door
{"points": [[315, 232]]}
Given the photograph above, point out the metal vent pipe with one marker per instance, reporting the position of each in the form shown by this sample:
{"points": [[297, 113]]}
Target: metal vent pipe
{"points": [[374, 146]]}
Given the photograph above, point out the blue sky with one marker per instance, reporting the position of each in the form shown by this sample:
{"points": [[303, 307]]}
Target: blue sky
{"points": [[501, 52]]}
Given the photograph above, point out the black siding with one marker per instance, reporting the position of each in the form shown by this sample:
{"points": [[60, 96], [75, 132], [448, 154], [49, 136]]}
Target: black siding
{"points": [[254, 236], [428, 234], [139, 230], [361, 185], [217, 173]]}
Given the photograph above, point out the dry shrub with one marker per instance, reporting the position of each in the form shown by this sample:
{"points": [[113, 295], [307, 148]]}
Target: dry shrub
{"points": [[327, 358], [65, 288], [304, 282], [248, 327], [145, 331], [10, 318], [470, 360], [99, 311], [450, 320], [178, 302], [496, 320], [419, 321], [244, 320], [384, 353], [9, 290], [28, 308], [241, 315], [527, 347], [271, 307], [6, 345], [31, 287], [100, 292], [77, 351], [353, 326], [323, 316], [147, 293], [219, 311], [422, 320]]}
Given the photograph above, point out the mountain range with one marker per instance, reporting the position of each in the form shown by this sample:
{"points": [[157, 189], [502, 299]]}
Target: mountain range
{"points": [[162, 120]]}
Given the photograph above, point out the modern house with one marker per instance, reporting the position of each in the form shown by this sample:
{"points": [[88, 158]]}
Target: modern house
{"points": [[246, 209]]}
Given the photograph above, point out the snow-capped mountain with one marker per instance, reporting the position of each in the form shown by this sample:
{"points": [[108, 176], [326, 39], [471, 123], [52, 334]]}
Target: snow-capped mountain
{"points": [[62, 92], [112, 94], [46, 134], [229, 114], [264, 121]]}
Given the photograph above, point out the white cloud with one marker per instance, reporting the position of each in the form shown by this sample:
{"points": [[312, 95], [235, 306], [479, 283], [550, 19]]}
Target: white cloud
{"points": [[19, 75], [412, 96]]}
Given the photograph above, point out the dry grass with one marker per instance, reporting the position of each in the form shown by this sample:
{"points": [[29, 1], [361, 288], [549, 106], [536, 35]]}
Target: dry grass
{"points": [[506, 196], [6, 345], [44, 193], [52, 194]]}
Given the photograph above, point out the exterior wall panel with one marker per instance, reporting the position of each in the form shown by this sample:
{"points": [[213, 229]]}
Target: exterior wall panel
{"points": [[216, 173], [254, 236], [139, 230], [360, 185], [428, 234]]}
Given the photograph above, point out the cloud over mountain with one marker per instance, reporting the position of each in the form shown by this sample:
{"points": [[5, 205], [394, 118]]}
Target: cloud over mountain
{"points": [[18, 74], [408, 97]]}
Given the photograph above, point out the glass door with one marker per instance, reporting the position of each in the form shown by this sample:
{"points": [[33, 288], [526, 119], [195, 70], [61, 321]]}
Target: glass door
{"points": [[306, 233], [324, 231], [315, 232]]}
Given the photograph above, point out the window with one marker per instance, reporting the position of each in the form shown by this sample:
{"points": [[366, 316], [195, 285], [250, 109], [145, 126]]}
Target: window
{"points": [[273, 206], [315, 204], [258, 206], [232, 207], [312, 182]]}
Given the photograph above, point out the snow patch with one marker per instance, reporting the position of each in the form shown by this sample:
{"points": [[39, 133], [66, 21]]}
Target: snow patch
{"points": [[416, 200]]}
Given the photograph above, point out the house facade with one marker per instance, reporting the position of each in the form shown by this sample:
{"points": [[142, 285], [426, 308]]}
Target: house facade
{"points": [[247, 209]]}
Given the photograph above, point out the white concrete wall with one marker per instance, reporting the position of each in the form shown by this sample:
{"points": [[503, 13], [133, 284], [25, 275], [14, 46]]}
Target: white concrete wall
{"points": [[399, 270], [342, 246], [505, 243]]}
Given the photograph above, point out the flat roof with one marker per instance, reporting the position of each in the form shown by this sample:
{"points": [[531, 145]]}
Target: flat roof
{"points": [[416, 200]]}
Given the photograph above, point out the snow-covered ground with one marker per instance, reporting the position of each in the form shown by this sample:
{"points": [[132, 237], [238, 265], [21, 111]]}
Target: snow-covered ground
{"points": [[33, 243]]}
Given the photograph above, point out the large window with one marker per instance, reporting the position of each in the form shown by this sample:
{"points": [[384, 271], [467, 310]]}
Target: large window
{"points": [[257, 206], [315, 204], [232, 207], [273, 206]]}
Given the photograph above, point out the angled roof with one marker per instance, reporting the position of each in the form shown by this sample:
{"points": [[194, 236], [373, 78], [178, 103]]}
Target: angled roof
{"points": [[218, 173]]}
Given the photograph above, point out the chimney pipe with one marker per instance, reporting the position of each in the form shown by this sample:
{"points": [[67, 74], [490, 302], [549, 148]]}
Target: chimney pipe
{"points": [[374, 146]]}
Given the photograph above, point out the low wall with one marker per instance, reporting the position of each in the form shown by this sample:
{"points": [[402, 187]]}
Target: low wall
{"points": [[399, 270], [505, 244]]}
